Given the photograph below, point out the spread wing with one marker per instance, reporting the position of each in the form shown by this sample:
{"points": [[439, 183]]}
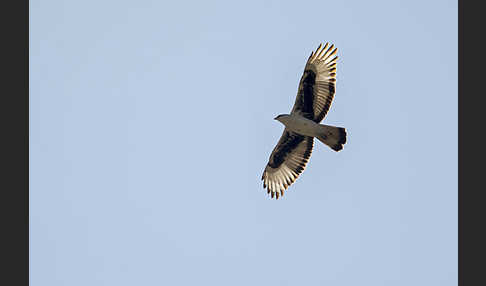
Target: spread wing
{"points": [[317, 84], [287, 162]]}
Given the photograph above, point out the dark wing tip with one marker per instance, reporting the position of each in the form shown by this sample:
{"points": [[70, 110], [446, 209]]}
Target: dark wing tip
{"points": [[277, 194]]}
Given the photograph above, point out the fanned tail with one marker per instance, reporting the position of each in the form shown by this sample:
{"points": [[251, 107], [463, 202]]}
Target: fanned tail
{"points": [[334, 137]]}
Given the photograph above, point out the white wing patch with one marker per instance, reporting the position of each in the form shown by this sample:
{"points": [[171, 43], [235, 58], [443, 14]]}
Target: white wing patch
{"points": [[323, 63], [278, 178]]}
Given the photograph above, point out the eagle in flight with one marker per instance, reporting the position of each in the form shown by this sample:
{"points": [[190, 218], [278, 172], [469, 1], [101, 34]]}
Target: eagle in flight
{"points": [[314, 97]]}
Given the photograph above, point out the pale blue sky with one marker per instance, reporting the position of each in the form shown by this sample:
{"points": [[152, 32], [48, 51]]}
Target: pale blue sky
{"points": [[151, 123]]}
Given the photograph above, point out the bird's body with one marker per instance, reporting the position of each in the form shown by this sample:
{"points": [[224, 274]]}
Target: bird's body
{"points": [[316, 91], [299, 124]]}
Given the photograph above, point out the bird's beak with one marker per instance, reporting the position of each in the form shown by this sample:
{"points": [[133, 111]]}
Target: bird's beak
{"points": [[275, 118]]}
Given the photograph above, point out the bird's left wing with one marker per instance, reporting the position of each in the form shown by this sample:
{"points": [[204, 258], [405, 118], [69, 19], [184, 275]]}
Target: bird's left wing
{"points": [[287, 162], [317, 84]]}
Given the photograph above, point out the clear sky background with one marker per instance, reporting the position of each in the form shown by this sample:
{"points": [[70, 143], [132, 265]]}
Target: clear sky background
{"points": [[151, 123]]}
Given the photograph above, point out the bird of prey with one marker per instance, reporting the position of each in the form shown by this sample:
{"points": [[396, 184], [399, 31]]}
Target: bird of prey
{"points": [[314, 97]]}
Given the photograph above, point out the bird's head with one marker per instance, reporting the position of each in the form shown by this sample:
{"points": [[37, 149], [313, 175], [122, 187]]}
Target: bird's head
{"points": [[282, 117]]}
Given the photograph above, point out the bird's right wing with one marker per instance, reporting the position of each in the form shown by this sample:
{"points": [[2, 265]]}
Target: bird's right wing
{"points": [[287, 162], [317, 84]]}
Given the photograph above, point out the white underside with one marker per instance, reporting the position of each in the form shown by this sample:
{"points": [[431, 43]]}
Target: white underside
{"points": [[300, 125]]}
